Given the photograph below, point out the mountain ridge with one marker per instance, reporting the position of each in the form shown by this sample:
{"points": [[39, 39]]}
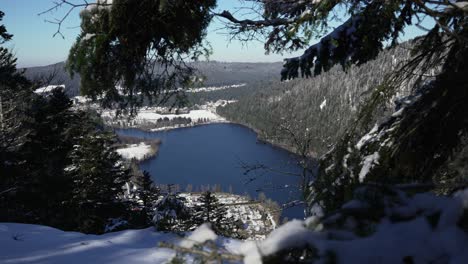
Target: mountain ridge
{"points": [[217, 73]]}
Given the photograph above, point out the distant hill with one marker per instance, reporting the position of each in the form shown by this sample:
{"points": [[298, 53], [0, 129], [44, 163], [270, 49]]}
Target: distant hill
{"points": [[216, 73], [60, 76], [227, 73]]}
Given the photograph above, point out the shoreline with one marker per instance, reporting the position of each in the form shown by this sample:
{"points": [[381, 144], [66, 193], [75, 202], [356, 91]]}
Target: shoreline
{"points": [[167, 129]]}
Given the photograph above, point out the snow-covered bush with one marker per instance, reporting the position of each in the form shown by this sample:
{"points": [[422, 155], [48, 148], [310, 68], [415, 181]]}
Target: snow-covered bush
{"points": [[382, 224], [172, 214]]}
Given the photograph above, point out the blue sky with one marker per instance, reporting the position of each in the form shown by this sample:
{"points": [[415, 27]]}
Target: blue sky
{"points": [[33, 42]]}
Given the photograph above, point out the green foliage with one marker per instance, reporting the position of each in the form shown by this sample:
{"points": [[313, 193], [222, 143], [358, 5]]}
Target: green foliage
{"points": [[357, 40], [414, 145], [4, 36], [139, 46], [98, 175], [143, 198], [172, 214], [57, 168], [375, 215], [295, 106], [209, 210], [294, 255]]}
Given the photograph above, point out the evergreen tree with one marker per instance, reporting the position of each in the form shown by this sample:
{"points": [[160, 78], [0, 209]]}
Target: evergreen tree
{"points": [[140, 45], [172, 214], [147, 195], [56, 167], [15, 96], [15, 92], [147, 192], [4, 36], [210, 210], [416, 143], [98, 175], [51, 133]]}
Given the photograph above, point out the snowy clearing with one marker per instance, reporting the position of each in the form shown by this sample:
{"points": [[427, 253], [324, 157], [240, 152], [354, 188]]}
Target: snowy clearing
{"points": [[151, 118], [136, 151]]}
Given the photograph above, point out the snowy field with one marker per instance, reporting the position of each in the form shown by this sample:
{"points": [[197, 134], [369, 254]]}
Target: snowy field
{"points": [[148, 116], [136, 151]]}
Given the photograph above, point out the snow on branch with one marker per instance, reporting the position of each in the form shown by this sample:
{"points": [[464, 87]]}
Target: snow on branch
{"points": [[70, 7], [326, 47]]}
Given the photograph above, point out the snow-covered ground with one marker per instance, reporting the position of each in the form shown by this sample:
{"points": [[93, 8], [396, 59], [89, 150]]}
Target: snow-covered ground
{"points": [[136, 151], [150, 116], [27, 244], [48, 89], [208, 89], [258, 220], [158, 118], [21, 243], [214, 88], [423, 228]]}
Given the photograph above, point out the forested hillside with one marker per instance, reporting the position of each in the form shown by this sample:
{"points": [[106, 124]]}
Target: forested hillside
{"points": [[318, 109]]}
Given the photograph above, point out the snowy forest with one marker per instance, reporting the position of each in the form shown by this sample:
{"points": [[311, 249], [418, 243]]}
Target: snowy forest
{"points": [[376, 125]]}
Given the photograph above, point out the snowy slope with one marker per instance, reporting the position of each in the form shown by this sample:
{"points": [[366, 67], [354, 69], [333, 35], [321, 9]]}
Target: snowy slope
{"points": [[22, 243]]}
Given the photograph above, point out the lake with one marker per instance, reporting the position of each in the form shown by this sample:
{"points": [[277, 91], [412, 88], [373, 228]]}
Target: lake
{"points": [[215, 154]]}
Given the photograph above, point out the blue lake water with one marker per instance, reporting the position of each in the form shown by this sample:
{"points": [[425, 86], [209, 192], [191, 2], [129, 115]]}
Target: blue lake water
{"points": [[214, 154]]}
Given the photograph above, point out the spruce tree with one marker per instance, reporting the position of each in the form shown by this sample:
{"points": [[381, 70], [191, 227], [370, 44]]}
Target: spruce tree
{"points": [[146, 191], [148, 195], [172, 214], [210, 210], [15, 96], [140, 45], [98, 175]]}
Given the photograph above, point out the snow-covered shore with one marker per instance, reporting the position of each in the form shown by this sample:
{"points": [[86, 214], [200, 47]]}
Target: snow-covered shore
{"points": [[139, 152], [160, 118]]}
